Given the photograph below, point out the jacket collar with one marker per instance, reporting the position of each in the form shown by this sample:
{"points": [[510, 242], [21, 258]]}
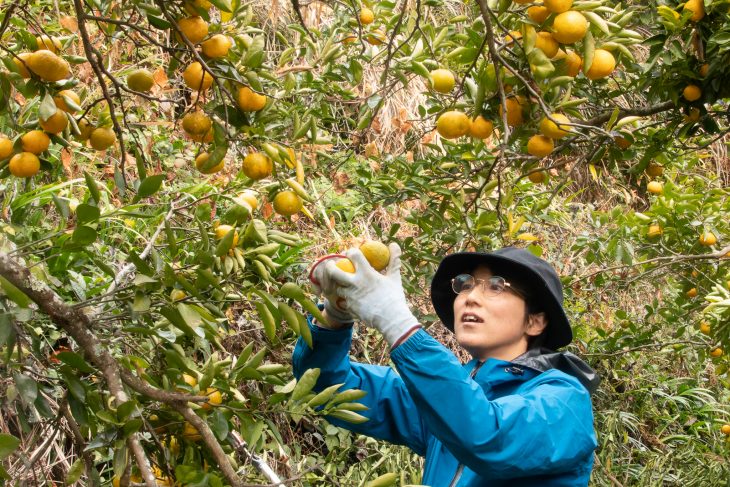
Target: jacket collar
{"points": [[545, 359], [533, 363]]}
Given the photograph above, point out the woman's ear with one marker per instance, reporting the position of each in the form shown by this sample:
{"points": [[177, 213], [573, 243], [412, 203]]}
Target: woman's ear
{"points": [[536, 323]]}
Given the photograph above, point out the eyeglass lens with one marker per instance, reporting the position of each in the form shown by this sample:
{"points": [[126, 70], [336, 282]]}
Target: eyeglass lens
{"points": [[466, 282]]}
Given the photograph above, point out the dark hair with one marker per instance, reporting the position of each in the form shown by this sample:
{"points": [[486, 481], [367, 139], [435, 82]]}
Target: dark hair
{"points": [[533, 303]]}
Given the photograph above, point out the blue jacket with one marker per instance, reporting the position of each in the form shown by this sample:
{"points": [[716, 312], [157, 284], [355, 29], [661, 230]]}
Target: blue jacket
{"points": [[497, 423]]}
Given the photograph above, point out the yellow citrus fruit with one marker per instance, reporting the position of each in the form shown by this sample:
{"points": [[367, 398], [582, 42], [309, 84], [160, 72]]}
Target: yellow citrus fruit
{"points": [[60, 100], [697, 7], [140, 80], [217, 46], [705, 328], [24, 165], [655, 187], [547, 44], [349, 39], [222, 230], [190, 380], [538, 13], [250, 197], [704, 70], [250, 101], [376, 38], [654, 170], [194, 28], [540, 146], [85, 129], [573, 63], [708, 239], [205, 137], [196, 78], [49, 43], [569, 27], [215, 398], [190, 433], [346, 265], [481, 128], [512, 36], [692, 93], [35, 142], [22, 61], [102, 138], [287, 203], [725, 429], [443, 80], [202, 159], [177, 295], [6, 147], [655, 230], [257, 166], [515, 107], [453, 124], [692, 293], [537, 177], [55, 123], [548, 128], [377, 253], [48, 66], [694, 115], [366, 16], [716, 352], [558, 6], [196, 123], [192, 7], [603, 65]]}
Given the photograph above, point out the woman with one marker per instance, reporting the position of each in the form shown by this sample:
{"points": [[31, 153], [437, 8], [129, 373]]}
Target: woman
{"points": [[517, 414]]}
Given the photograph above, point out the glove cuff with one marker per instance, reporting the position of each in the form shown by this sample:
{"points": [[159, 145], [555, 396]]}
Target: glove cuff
{"points": [[342, 317]]}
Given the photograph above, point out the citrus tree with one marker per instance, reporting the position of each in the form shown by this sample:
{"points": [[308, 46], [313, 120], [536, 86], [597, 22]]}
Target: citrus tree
{"points": [[169, 170]]}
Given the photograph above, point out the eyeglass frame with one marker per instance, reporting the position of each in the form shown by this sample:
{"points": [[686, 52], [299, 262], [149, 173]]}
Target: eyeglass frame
{"points": [[483, 282]]}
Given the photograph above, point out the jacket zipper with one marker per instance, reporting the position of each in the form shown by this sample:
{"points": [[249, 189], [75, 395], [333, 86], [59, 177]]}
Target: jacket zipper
{"points": [[460, 468]]}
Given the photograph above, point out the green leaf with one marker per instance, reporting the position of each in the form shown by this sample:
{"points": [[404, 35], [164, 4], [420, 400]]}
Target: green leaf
{"points": [[74, 473], [149, 186], [93, 188], [15, 294], [6, 328], [8, 444], [87, 213], [141, 303], [84, 235], [224, 5], [47, 108], [27, 387], [75, 360], [174, 317]]}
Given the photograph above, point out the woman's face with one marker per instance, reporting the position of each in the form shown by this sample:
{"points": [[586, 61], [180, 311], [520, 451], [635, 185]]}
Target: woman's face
{"points": [[495, 326]]}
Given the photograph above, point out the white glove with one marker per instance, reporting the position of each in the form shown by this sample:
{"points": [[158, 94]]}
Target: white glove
{"points": [[377, 299], [322, 284]]}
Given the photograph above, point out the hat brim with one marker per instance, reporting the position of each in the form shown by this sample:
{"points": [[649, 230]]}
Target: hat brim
{"points": [[558, 333]]}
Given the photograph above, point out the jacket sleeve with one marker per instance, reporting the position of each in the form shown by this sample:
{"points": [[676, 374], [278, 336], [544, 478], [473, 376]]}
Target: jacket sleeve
{"points": [[547, 428], [392, 414]]}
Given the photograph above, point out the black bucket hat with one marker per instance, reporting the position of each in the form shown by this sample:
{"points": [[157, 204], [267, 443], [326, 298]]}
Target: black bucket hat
{"points": [[543, 283]]}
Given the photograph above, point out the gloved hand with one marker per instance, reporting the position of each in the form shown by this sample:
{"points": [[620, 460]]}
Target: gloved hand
{"points": [[377, 299], [323, 285]]}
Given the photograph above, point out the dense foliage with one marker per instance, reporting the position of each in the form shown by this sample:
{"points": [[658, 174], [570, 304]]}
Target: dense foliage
{"points": [[168, 170]]}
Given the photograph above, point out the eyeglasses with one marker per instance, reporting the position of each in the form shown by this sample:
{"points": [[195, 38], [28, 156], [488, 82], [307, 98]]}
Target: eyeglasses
{"points": [[495, 285]]}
